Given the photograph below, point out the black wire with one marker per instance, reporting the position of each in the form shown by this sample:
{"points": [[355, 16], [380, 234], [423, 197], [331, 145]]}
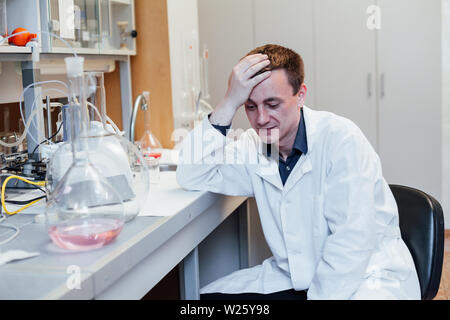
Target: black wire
{"points": [[34, 186], [20, 202], [37, 187], [57, 131], [16, 168]]}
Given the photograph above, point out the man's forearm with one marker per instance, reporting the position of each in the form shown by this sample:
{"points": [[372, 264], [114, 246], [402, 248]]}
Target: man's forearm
{"points": [[222, 115]]}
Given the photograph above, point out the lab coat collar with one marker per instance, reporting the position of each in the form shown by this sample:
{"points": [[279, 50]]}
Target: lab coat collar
{"points": [[268, 170], [303, 166], [268, 166]]}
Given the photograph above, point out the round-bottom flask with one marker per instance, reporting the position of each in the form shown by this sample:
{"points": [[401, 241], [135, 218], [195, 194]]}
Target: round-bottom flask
{"points": [[116, 159], [84, 211]]}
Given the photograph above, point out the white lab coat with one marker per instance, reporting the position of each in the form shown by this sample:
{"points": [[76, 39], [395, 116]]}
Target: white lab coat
{"points": [[332, 228]]}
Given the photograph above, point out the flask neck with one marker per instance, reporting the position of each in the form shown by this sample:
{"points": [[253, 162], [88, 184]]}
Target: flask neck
{"points": [[79, 118], [147, 124]]}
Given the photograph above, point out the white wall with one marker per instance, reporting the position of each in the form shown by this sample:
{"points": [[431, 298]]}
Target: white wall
{"points": [[446, 111], [228, 34]]}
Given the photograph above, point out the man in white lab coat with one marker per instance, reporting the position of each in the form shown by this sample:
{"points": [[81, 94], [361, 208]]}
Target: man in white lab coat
{"points": [[327, 213]]}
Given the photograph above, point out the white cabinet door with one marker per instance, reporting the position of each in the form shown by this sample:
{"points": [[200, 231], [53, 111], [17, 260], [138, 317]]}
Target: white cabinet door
{"points": [[288, 23], [345, 70], [409, 58]]}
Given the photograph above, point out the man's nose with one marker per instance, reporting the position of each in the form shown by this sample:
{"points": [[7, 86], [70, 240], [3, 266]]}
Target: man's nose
{"points": [[263, 117]]}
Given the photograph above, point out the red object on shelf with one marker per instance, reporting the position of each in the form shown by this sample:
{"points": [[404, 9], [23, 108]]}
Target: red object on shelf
{"points": [[21, 39]]}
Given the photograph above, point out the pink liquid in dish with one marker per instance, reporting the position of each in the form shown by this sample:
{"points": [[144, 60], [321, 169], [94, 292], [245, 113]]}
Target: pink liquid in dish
{"points": [[85, 235]]}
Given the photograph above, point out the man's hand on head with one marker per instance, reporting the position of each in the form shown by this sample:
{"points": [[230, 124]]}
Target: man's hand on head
{"points": [[241, 82]]}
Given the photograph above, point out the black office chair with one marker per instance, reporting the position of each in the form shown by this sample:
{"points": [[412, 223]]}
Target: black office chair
{"points": [[422, 229]]}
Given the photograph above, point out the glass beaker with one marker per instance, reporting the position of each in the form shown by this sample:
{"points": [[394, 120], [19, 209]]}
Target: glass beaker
{"points": [[152, 161], [84, 211]]}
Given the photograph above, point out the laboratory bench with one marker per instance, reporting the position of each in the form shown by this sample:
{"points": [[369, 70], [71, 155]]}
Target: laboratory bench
{"points": [[167, 233]]}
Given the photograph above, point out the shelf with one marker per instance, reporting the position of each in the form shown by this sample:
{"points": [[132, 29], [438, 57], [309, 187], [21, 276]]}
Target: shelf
{"points": [[14, 49], [94, 51], [67, 50], [127, 2], [118, 52], [14, 53]]}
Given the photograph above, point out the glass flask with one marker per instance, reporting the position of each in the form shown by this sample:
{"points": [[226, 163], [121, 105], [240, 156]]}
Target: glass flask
{"points": [[115, 158], [149, 144], [84, 211]]}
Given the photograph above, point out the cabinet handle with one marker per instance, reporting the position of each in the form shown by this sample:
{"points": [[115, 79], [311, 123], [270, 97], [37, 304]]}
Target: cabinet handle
{"points": [[382, 81], [369, 85]]}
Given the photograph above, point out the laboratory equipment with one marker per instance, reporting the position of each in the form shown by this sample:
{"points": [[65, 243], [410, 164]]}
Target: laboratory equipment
{"points": [[105, 19], [152, 161], [148, 141], [202, 109], [115, 158], [204, 73], [191, 80], [131, 172], [149, 144], [75, 21], [83, 211], [21, 37], [195, 90], [21, 149]]}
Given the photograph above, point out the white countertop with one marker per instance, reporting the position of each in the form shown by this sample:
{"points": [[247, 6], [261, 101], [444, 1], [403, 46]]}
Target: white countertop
{"points": [[166, 198], [147, 248]]}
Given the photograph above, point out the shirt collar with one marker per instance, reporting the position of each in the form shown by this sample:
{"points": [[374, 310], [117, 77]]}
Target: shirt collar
{"points": [[300, 142]]}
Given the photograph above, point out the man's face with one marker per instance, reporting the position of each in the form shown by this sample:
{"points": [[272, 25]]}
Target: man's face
{"points": [[274, 111]]}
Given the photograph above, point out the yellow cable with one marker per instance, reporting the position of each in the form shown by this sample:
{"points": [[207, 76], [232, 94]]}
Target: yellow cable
{"points": [[36, 183]]}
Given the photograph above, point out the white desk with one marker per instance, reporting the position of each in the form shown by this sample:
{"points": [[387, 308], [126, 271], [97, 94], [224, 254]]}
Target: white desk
{"points": [[145, 251]]}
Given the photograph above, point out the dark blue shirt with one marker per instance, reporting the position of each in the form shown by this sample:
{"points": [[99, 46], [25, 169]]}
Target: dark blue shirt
{"points": [[300, 146]]}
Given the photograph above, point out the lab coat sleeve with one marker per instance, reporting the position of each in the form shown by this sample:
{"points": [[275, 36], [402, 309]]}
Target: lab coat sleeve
{"points": [[349, 209], [210, 161]]}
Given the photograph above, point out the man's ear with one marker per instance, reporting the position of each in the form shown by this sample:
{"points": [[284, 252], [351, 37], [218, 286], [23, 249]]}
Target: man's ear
{"points": [[301, 94]]}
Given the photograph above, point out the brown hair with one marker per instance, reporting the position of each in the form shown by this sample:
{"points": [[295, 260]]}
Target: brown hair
{"points": [[283, 58]]}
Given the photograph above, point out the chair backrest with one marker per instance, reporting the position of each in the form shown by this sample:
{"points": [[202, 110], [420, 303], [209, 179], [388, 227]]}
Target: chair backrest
{"points": [[422, 229]]}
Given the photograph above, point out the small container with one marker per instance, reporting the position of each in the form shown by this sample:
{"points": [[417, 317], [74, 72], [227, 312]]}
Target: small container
{"points": [[152, 160]]}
